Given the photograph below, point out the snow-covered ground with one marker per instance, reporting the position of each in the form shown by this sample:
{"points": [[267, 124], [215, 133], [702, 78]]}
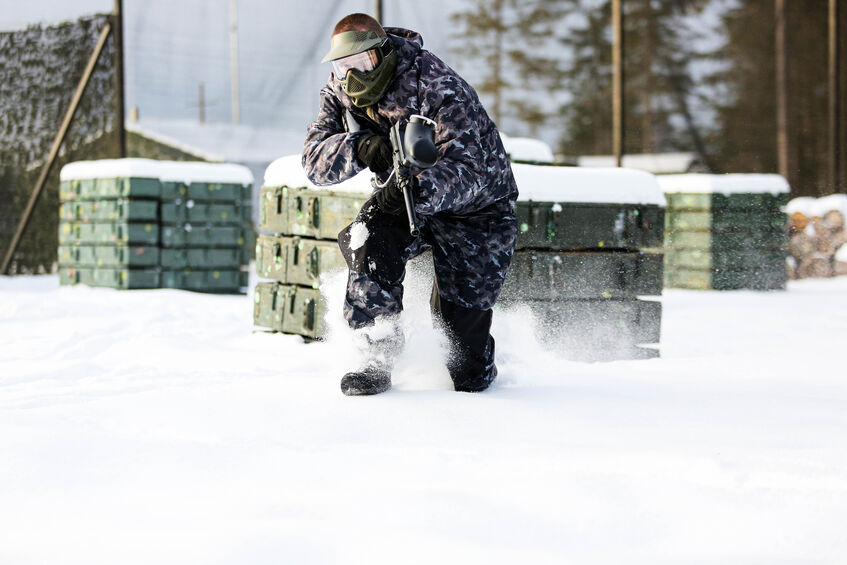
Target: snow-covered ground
{"points": [[154, 427]]}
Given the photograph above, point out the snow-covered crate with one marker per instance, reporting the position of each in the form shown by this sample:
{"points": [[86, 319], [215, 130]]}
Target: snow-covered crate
{"points": [[589, 244], [725, 232], [193, 218], [302, 222], [569, 208]]}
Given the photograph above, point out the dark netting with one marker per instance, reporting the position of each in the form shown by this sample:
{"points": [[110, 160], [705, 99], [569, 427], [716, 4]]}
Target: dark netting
{"points": [[40, 68]]}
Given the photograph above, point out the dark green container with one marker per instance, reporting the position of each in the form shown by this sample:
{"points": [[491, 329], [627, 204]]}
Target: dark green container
{"points": [[191, 236], [207, 191], [116, 233], [289, 309], [179, 212], [97, 189], [567, 226], [108, 256], [555, 275], [218, 280], [111, 278], [317, 214], [203, 258], [121, 210], [726, 241]]}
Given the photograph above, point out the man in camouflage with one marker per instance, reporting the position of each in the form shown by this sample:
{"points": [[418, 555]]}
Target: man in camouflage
{"points": [[464, 203]]}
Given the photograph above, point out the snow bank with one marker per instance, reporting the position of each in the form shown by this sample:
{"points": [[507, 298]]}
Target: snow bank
{"points": [[589, 185], [723, 184], [182, 171], [152, 426], [288, 171], [527, 149]]}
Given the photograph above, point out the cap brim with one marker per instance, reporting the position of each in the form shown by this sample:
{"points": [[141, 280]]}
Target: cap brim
{"points": [[342, 46]]}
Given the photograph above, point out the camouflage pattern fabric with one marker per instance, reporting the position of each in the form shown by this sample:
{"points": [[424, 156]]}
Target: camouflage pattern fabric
{"points": [[467, 200]]}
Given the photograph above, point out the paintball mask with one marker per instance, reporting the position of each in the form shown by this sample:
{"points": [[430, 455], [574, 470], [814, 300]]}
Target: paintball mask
{"points": [[364, 63]]}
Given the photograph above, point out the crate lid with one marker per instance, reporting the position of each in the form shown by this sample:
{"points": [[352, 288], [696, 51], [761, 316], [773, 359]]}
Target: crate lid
{"points": [[734, 183], [543, 183], [288, 171], [165, 171]]}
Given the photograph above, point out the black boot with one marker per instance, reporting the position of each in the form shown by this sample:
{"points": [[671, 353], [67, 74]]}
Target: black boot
{"points": [[378, 347], [365, 382]]}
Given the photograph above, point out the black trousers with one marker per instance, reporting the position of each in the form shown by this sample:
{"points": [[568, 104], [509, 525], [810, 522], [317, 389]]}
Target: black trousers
{"points": [[377, 247]]}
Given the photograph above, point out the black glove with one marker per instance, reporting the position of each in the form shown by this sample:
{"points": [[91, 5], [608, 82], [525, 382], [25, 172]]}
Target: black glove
{"points": [[374, 151], [390, 200]]}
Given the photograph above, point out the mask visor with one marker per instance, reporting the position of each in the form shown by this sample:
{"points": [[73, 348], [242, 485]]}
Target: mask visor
{"points": [[363, 62]]}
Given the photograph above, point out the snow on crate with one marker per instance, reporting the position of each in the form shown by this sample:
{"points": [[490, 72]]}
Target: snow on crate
{"points": [[723, 184], [288, 171], [542, 183], [182, 171], [527, 149]]}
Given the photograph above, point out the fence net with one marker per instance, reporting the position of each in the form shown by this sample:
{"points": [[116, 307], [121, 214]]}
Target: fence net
{"points": [[40, 68]]}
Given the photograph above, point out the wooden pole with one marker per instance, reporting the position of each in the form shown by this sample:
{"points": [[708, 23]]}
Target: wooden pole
{"points": [[781, 93], [57, 144], [118, 26], [378, 10], [617, 81], [834, 99], [233, 62]]}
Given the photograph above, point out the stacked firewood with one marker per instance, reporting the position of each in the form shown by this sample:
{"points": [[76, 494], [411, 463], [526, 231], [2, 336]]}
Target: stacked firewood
{"points": [[817, 237]]}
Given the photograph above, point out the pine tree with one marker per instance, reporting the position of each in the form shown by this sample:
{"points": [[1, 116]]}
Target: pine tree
{"points": [[508, 38], [744, 139], [658, 88]]}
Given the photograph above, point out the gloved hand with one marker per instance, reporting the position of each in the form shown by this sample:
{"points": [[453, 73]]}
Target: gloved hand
{"points": [[390, 200], [374, 151]]}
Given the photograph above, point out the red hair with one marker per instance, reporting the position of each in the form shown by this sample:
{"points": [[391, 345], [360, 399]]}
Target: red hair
{"points": [[359, 22]]}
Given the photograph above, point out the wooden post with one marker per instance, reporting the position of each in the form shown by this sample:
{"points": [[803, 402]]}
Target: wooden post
{"points": [[834, 99], [233, 62], [782, 93], [57, 143], [617, 81], [118, 26], [378, 11]]}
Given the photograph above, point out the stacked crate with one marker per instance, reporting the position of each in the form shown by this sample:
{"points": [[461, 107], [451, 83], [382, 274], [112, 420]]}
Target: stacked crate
{"points": [[589, 246], [300, 223], [584, 254], [138, 223], [725, 232]]}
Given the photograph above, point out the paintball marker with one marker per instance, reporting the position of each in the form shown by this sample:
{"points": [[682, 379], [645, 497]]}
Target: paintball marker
{"points": [[413, 145]]}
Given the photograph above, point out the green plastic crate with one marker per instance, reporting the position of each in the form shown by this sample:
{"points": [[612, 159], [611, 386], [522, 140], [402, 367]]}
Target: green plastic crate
{"points": [[203, 258], [115, 233], [553, 275], [289, 309], [111, 278], [236, 213], [206, 280], [97, 189], [108, 256], [121, 210], [191, 236], [567, 226]]}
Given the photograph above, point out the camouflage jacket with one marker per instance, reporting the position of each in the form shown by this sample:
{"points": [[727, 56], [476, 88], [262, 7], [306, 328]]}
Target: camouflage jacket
{"points": [[472, 175]]}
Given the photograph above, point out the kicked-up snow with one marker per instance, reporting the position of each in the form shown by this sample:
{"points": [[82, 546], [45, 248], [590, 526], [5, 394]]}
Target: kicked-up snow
{"points": [[157, 427]]}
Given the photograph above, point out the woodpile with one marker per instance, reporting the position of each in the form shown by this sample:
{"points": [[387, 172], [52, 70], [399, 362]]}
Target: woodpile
{"points": [[817, 237]]}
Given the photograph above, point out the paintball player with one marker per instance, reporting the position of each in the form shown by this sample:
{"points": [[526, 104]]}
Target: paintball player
{"points": [[465, 203]]}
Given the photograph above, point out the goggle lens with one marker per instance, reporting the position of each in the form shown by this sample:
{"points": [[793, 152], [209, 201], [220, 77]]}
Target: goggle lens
{"points": [[363, 62]]}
